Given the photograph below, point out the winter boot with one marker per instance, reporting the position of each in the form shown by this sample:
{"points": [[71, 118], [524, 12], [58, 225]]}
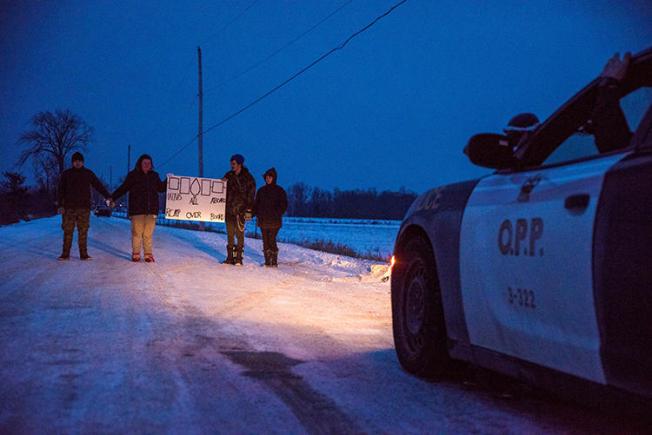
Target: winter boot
{"points": [[274, 258], [229, 255], [149, 258], [268, 257], [135, 258], [238, 256], [83, 254], [67, 244]]}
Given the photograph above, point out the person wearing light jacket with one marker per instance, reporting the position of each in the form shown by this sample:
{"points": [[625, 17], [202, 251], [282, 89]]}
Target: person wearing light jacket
{"points": [[143, 185]]}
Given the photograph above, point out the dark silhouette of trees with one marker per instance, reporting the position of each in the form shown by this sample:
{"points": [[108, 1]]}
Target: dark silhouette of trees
{"points": [[298, 199], [14, 197], [13, 184], [351, 204], [53, 136], [46, 172], [18, 201], [321, 203]]}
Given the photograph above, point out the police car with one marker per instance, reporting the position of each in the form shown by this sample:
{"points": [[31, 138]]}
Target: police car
{"points": [[543, 269]]}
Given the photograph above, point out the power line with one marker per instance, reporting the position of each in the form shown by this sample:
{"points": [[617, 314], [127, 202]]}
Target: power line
{"points": [[224, 27], [277, 51], [214, 34], [237, 17], [304, 69], [288, 80], [179, 151]]}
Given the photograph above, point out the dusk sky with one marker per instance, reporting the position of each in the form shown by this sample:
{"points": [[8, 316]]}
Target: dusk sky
{"points": [[394, 108]]}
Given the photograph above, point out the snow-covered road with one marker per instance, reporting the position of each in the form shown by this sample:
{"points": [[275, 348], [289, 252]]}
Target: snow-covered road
{"points": [[187, 345]]}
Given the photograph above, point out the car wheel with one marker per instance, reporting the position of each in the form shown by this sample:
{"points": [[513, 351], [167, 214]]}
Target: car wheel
{"points": [[417, 314]]}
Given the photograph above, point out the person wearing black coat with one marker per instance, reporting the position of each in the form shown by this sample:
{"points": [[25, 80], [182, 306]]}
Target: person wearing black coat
{"points": [[143, 185], [270, 205], [240, 193], [74, 201]]}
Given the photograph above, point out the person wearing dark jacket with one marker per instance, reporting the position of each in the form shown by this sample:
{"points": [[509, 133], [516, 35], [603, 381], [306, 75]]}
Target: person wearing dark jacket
{"points": [[240, 193], [143, 185], [74, 201], [270, 205]]}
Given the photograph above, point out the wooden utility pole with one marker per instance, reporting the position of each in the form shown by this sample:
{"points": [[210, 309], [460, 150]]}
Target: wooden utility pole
{"points": [[200, 136]]}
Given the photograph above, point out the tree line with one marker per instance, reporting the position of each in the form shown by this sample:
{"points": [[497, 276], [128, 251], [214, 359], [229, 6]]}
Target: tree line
{"points": [[47, 144], [54, 136], [306, 201]]}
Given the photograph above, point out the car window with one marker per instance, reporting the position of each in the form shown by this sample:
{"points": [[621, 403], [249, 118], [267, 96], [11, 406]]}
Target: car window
{"points": [[581, 142], [635, 105], [577, 146]]}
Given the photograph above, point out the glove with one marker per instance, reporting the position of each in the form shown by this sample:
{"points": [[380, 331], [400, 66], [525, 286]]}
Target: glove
{"points": [[60, 210], [616, 69]]}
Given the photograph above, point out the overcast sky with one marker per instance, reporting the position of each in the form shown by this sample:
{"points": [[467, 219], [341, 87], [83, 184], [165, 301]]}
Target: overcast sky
{"points": [[394, 108]]}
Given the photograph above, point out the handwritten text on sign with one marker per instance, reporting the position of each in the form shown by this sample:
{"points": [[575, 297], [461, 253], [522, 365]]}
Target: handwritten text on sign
{"points": [[195, 199]]}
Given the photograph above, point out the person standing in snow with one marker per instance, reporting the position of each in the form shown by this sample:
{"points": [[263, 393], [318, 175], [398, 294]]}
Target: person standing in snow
{"points": [[143, 185], [240, 193], [74, 201], [270, 205]]}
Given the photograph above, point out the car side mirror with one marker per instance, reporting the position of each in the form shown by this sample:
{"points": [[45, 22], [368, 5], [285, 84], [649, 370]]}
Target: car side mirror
{"points": [[490, 150]]}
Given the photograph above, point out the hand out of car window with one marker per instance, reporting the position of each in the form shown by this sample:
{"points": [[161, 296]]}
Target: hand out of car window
{"points": [[616, 68]]}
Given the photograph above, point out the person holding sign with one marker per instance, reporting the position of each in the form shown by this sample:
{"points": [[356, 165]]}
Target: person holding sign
{"points": [[143, 185], [240, 193], [271, 203]]}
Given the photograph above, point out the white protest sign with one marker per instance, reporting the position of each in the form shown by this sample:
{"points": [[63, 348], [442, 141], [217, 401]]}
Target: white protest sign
{"points": [[195, 199]]}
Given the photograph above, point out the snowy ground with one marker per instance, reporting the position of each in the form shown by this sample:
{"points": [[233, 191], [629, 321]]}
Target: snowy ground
{"points": [[188, 345], [364, 236]]}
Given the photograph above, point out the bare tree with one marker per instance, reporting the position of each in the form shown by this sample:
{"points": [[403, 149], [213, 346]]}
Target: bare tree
{"points": [[46, 171], [55, 135], [14, 196], [298, 195], [13, 184]]}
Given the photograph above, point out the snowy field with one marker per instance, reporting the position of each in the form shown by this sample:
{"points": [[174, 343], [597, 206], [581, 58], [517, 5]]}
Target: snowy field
{"points": [[365, 236], [188, 345]]}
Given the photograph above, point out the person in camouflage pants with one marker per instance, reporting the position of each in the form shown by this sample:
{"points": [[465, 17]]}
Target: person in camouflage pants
{"points": [[74, 198], [80, 218]]}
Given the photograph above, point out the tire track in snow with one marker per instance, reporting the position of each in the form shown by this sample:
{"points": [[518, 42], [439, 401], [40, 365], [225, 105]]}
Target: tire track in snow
{"points": [[317, 413]]}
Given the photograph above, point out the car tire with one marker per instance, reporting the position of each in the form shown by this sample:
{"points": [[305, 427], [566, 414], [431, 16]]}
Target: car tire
{"points": [[417, 314]]}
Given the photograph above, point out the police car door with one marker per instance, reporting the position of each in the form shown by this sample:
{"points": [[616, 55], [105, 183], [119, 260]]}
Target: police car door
{"points": [[526, 260]]}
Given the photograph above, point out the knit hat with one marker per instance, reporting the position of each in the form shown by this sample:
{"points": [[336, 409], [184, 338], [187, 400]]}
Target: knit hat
{"points": [[239, 158], [77, 157]]}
